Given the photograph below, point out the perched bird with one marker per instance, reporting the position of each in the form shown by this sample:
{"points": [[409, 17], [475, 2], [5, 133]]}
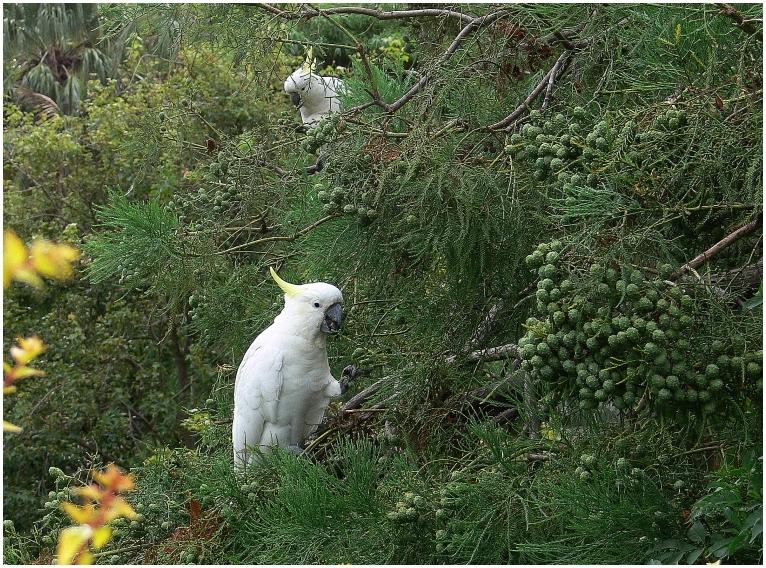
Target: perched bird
{"points": [[316, 97], [284, 382]]}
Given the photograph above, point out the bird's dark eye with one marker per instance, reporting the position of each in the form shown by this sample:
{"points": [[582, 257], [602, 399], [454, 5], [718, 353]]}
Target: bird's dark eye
{"points": [[316, 304]]}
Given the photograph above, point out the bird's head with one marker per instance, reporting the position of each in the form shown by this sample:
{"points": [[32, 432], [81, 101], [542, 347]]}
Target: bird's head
{"points": [[316, 305], [303, 84]]}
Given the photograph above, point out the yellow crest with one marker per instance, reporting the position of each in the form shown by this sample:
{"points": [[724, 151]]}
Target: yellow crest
{"points": [[289, 289], [309, 63]]}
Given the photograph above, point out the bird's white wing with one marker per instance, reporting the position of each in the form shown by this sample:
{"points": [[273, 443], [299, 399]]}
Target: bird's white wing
{"points": [[256, 397]]}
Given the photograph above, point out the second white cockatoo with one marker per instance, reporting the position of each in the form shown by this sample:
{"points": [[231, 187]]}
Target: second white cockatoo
{"points": [[316, 97], [284, 383]]}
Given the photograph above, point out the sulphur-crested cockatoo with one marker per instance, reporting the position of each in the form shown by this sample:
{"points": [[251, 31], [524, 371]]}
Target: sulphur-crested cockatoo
{"points": [[284, 382], [316, 97]]}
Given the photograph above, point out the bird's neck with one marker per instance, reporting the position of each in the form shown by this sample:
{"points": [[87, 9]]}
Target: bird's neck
{"points": [[316, 92], [295, 325]]}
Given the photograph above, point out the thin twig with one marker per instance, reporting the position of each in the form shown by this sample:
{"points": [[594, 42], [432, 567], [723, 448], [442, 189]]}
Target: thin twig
{"points": [[300, 233], [473, 25], [739, 20], [308, 13], [489, 354], [524, 107], [702, 258], [358, 399]]}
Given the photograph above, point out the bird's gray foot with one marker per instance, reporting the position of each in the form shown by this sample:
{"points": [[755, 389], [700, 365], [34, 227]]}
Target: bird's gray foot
{"points": [[350, 372]]}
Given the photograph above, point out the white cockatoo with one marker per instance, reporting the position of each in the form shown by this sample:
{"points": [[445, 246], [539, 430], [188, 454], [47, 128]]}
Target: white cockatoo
{"points": [[316, 97], [284, 383]]}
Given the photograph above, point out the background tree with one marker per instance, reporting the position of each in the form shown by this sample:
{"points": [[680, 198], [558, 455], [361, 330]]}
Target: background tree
{"points": [[53, 50]]}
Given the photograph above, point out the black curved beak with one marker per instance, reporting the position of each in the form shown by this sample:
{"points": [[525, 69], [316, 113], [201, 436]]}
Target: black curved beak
{"points": [[295, 98], [333, 319]]}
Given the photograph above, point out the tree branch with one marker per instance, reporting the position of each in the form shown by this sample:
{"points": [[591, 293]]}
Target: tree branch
{"points": [[358, 399], [473, 25], [307, 13], [545, 84], [739, 20], [702, 258], [288, 238]]}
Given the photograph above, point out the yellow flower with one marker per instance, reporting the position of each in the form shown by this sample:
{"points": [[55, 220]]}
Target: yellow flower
{"points": [[104, 506], [82, 515], [23, 353]]}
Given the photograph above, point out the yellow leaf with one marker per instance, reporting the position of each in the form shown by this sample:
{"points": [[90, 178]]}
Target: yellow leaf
{"points": [[113, 478], [120, 508], [678, 33], [72, 542], [8, 427], [28, 349], [91, 492], [80, 515], [24, 372], [101, 536], [9, 390], [53, 260], [14, 256]]}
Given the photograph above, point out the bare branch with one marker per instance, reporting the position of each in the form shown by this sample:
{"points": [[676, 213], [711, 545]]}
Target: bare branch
{"points": [[555, 73], [358, 399], [306, 13], [473, 25], [288, 238], [507, 351], [702, 258], [547, 81]]}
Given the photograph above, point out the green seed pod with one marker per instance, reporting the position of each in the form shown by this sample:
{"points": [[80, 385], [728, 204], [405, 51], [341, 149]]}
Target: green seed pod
{"points": [[658, 381], [715, 385]]}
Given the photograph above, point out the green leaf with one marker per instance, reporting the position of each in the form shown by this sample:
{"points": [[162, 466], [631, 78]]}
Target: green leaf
{"points": [[697, 532], [754, 522], [754, 302], [692, 557]]}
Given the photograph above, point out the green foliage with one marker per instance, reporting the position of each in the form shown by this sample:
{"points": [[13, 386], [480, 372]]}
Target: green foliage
{"points": [[55, 48], [112, 363]]}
